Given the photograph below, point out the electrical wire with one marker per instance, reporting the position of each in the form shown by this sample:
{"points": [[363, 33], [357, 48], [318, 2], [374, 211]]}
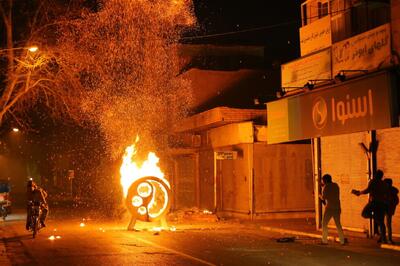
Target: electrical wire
{"points": [[258, 28]]}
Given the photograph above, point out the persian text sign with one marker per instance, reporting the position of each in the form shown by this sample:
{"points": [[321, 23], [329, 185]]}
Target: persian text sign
{"points": [[226, 155], [315, 36], [367, 51], [355, 106], [298, 72]]}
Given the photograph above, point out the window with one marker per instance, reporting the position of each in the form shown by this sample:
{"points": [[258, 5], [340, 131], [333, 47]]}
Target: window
{"points": [[304, 14], [322, 9]]}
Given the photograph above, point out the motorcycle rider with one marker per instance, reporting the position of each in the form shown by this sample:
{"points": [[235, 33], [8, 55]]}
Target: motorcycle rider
{"points": [[36, 194]]}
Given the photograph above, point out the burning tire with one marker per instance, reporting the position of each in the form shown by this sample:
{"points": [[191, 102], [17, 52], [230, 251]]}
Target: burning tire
{"points": [[148, 199]]}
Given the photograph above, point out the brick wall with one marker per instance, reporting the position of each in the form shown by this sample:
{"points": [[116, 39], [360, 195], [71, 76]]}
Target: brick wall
{"points": [[388, 159], [343, 158]]}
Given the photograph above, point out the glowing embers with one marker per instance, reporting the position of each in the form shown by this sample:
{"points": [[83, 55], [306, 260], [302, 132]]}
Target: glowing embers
{"points": [[145, 189]]}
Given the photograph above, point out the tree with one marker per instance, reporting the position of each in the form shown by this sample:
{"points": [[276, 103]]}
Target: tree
{"points": [[114, 63], [34, 76]]}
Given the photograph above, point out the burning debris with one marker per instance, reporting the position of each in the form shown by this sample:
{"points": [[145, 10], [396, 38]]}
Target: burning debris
{"points": [[145, 188], [52, 237]]}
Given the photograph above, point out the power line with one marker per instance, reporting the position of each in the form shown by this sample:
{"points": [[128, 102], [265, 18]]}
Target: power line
{"points": [[258, 28], [239, 31]]}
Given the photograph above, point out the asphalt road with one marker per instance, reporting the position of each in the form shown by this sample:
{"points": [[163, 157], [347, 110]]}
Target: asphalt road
{"points": [[108, 243]]}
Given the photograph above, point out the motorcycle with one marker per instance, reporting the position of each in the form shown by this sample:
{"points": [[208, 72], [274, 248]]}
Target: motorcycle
{"points": [[35, 213]]}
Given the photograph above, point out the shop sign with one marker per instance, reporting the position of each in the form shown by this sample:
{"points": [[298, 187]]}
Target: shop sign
{"points": [[315, 36], [367, 51], [314, 66], [225, 155], [354, 106]]}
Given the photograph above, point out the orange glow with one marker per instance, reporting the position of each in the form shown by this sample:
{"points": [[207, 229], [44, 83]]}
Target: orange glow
{"points": [[142, 210], [151, 194], [137, 201], [130, 170], [33, 49]]}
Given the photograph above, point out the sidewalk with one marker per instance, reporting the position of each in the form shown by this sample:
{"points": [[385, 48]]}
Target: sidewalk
{"points": [[306, 228], [296, 227]]}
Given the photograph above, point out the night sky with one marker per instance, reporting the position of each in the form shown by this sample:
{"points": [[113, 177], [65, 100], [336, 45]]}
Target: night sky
{"points": [[216, 17], [273, 25]]}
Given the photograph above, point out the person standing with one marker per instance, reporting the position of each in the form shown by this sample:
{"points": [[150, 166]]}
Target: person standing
{"points": [[377, 206], [330, 197], [393, 200]]}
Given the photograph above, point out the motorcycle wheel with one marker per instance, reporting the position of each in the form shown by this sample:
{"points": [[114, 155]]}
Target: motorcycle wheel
{"points": [[34, 227]]}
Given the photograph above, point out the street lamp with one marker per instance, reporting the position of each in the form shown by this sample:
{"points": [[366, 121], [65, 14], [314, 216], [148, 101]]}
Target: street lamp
{"points": [[15, 129], [32, 49]]}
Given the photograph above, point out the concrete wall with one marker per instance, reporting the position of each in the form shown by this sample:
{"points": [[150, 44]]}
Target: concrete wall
{"points": [[231, 134], [282, 178]]}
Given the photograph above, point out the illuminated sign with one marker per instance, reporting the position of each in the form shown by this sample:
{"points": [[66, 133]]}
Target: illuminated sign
{"points": [[358, 105]]}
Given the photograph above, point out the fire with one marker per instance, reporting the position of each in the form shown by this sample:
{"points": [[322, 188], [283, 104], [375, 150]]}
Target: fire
{"points": [[130, 170], [146, 190]]}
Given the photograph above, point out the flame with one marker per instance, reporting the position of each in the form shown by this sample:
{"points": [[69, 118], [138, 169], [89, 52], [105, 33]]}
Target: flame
{"points": [[130, 170]]}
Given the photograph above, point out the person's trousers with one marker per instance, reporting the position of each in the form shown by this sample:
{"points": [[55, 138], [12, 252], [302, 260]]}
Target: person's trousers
{"points": [[328, 214], [380, 209], [389, 226]]}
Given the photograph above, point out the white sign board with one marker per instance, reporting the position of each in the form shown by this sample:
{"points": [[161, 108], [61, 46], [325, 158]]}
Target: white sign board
{"points": [[226, 155], [367, 51], [315, 36], [314, 66]]}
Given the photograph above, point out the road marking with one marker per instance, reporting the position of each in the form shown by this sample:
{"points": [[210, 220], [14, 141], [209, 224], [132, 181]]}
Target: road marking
{"points": [[392, 247], [175, 251]]}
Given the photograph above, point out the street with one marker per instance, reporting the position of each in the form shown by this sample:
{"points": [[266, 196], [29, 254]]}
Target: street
{"points": [[76, 242]]}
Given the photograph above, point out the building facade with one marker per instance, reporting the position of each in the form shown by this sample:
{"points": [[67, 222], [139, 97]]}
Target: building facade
{"points": [[228, 168], [343, 94]]}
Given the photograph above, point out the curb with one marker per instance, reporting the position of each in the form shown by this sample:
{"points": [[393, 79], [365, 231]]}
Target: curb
{"points": [[312, 235], [392, 247], [293, 232]]}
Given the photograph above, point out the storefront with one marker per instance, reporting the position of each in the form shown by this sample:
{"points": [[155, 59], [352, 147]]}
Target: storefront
{"points": [[354, 128]]}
